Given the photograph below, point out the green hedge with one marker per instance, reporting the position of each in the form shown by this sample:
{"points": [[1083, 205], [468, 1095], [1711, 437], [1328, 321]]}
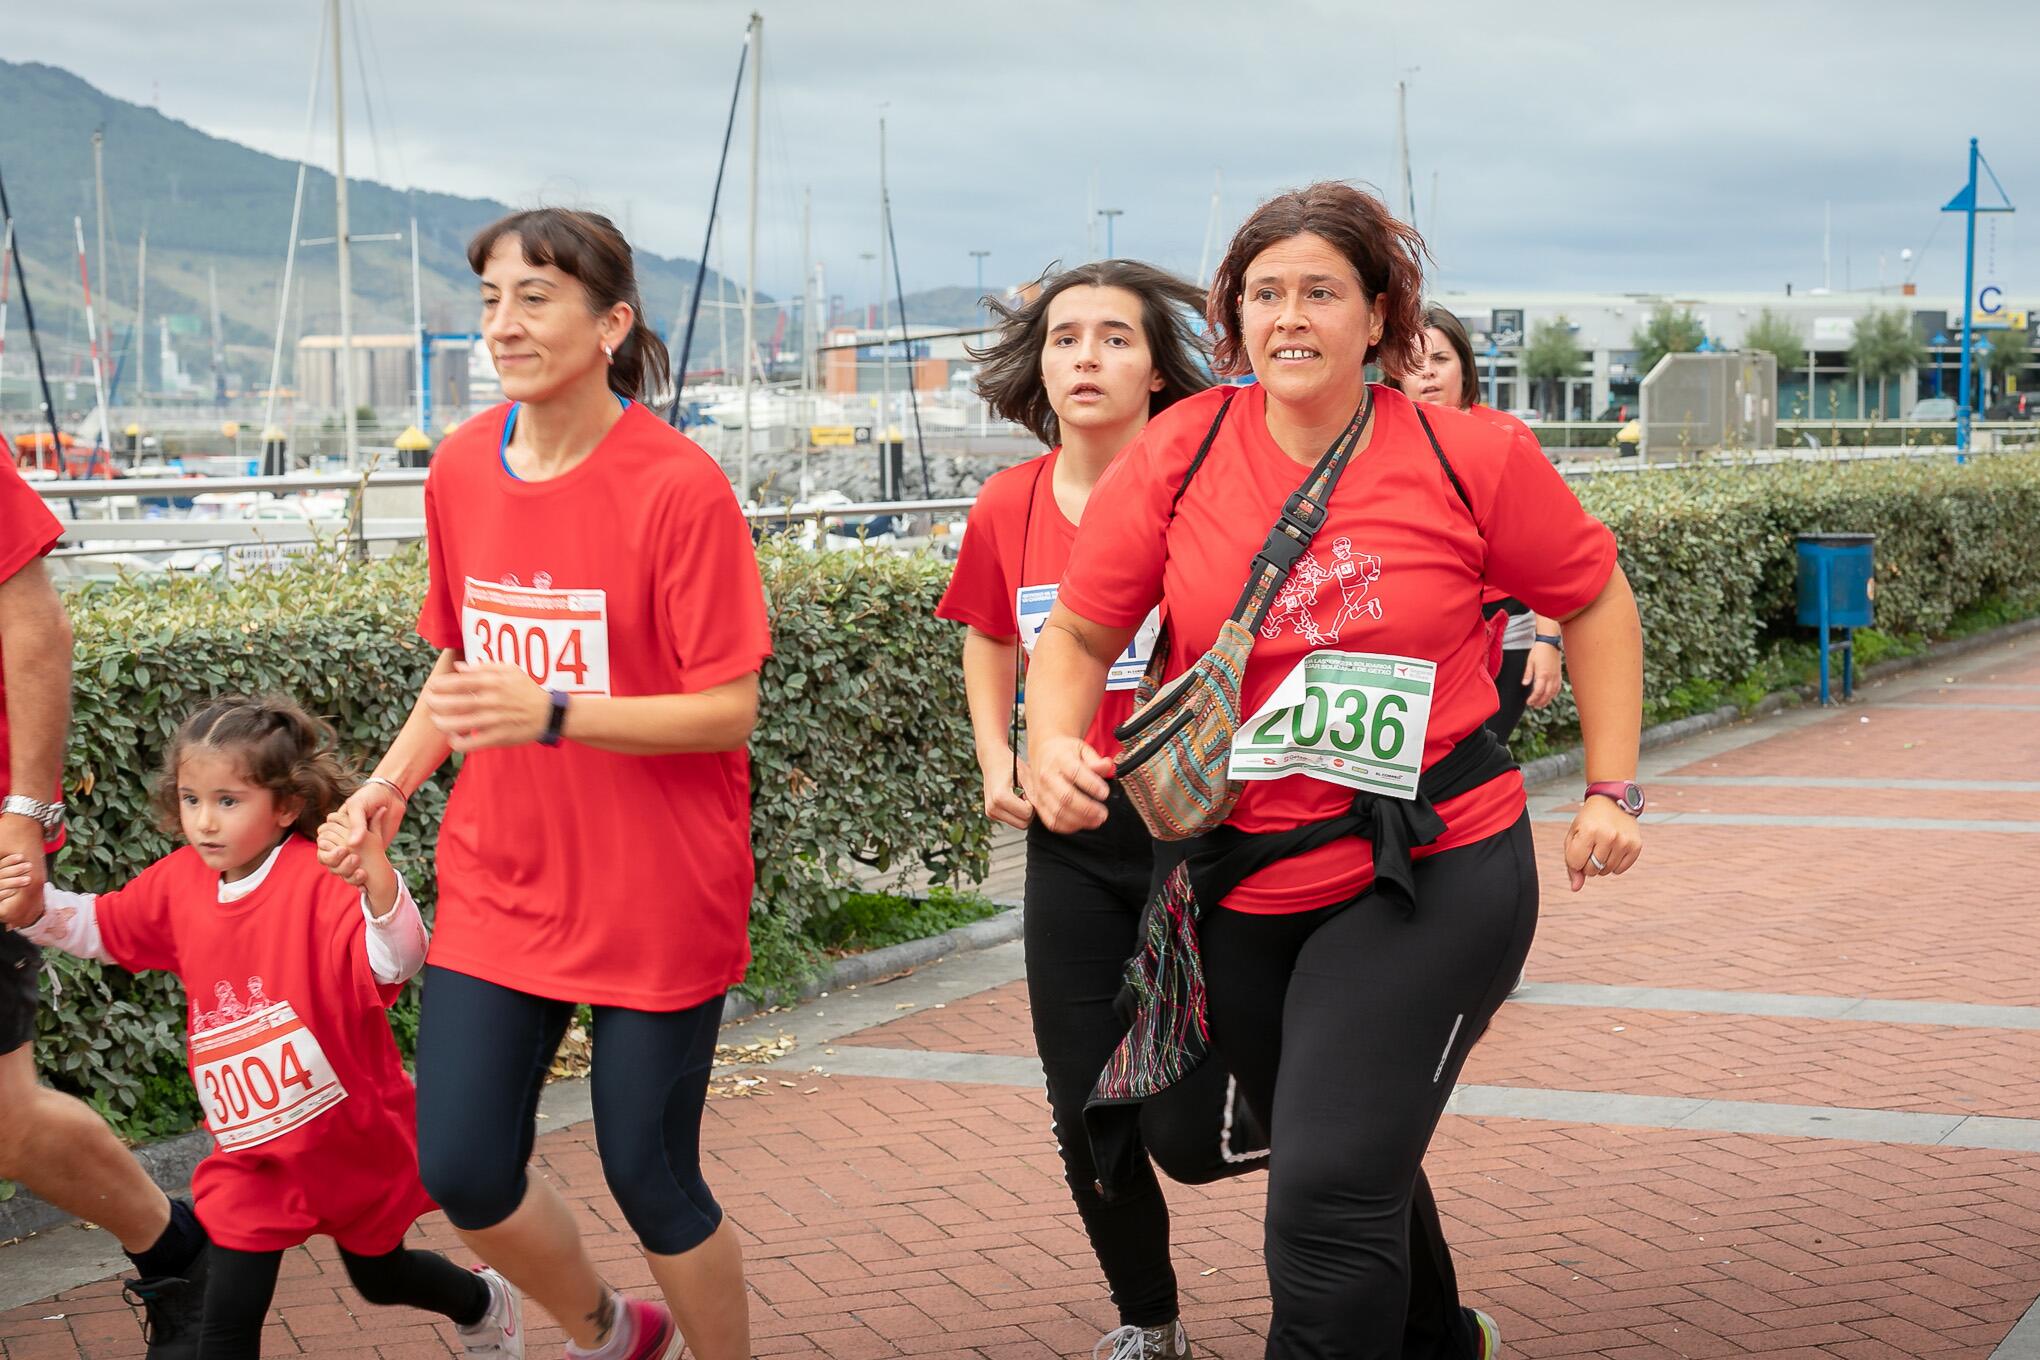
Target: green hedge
{"points": [[1710, 554], [862, 755]]}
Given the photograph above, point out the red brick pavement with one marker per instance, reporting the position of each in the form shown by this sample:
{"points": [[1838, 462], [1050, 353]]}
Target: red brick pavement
{"points": [[889, 1218], [1894, 743]]}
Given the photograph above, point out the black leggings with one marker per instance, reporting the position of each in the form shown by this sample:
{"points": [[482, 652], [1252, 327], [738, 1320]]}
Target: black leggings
{"points": [[1349, 1025], [1084, 897], [483, 1052], [240, 1285], [1513, 693]]}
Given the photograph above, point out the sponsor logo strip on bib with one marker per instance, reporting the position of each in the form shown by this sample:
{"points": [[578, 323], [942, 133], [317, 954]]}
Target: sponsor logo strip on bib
{"points": [[1349, 718], [262, 1076]]}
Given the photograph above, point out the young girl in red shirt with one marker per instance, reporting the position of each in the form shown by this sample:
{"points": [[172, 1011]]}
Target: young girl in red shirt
{"points": [[287, 970], [1083, 365]]}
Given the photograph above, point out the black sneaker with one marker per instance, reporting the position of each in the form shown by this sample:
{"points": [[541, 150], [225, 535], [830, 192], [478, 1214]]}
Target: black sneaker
{"points": [[171, 1307]]}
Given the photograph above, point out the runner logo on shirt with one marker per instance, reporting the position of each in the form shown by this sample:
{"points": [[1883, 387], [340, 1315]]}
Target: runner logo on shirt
{"points": [[260, 1073], [1316, 614]]}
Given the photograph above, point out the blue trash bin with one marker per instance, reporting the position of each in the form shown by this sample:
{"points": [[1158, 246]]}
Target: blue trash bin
{"points": [[1837, 589]]}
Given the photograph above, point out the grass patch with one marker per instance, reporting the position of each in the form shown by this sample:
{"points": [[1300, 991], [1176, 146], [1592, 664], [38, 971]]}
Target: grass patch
{"points": [[875, 920]]}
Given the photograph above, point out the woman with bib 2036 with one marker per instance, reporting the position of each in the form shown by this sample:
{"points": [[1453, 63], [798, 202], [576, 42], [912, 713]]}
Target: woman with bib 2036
{"points": [[1347, 980]]}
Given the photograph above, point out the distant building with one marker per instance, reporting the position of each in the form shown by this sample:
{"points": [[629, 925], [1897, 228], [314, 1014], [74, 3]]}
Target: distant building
{"points": [[1604, 326], [385, 373]]}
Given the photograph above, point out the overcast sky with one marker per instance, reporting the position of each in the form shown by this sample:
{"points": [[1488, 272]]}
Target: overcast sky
{"points": [[1623, 146]]}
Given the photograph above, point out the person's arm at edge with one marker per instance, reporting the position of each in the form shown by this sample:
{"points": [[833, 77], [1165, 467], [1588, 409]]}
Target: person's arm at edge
{"points": [[1604, 649]]}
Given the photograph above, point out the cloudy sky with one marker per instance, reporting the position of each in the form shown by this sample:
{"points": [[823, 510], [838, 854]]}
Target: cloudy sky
{"points": [[1624, 146]]}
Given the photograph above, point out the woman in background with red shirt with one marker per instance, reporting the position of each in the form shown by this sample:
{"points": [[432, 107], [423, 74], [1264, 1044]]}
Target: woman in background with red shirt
{"points": [[1531, 673], [1347, 981], [1099, 350], [597, 605]]}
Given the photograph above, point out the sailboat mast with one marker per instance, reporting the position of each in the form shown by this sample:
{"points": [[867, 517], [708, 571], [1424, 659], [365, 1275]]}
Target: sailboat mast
{"points": [[418, 322], [99, 198], [347, 420], [884, 330], [219, 368], [141, 315], [42, 372], [92, 338], [751, 258], [1210, 230], [1402, 152]]}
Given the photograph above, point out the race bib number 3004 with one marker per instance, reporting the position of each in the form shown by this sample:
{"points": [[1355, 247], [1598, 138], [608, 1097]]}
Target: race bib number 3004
{"points": [[1347, 718], [560, 638], [261, 1076]]}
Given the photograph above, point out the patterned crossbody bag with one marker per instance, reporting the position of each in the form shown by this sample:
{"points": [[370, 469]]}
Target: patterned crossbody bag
{"points": [[1178, 742]]}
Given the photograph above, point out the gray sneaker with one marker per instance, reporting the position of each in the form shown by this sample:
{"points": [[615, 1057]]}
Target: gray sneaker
{"points": [[1166, 1342]]}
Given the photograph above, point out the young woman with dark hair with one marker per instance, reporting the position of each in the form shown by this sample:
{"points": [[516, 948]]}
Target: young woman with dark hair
{"points": [[597, 607], [1531, 672], [1367, 903], [1083, 365]]}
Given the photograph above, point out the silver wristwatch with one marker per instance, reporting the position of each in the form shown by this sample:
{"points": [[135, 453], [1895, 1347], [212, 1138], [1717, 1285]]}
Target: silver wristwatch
{"points": [[49, 815]]}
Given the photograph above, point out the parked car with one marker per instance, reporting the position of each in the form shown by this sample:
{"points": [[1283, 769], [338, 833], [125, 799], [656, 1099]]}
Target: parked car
{"points": [[1933, 408], [2018, 406]]}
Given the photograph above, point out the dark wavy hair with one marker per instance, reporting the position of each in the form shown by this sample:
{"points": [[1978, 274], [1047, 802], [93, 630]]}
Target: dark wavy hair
{"points": [[280, 747], [1009, 369], [1454, 330], [588, 247], [1384, 251]]}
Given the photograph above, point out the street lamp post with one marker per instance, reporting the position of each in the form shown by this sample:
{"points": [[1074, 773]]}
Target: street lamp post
{"points": [[978, 258], [1110, 215]]}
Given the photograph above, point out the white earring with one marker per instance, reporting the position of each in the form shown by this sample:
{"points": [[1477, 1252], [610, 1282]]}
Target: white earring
{"points": [[608, 353]]}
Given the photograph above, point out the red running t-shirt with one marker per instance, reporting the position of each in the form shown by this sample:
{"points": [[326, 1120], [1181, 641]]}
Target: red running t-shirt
{"points": [[1397, 571], [1015, 546], [27, 531], [289, 1048], [568, 872], [1508, 424]]}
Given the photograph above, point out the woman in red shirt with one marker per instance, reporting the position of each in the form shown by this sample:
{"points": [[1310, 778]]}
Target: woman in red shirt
{"points": [[596, 603], [1347, 980], [1531, 672], [1083, 365]]}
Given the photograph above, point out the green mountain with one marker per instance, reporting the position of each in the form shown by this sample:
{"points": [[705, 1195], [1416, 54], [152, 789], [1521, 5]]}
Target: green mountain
{"points": [[211, 203]]}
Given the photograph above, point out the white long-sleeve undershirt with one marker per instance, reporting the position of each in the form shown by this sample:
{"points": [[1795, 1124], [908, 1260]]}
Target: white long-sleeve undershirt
{"points": [[395, 942]]}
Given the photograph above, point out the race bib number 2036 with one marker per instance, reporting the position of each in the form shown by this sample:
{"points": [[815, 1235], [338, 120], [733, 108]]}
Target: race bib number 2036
{"points": [[1348, 718], [560, 638]]}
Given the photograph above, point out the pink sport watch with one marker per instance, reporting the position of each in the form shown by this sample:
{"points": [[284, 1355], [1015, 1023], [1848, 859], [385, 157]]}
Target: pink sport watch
{"points": [[1627, 795]]}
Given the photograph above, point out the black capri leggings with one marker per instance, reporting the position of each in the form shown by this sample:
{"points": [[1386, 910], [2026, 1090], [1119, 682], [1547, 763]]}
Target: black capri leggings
{"points": [[1349, 1024], [483, 1051], [1084, 896], [240, 1285]]}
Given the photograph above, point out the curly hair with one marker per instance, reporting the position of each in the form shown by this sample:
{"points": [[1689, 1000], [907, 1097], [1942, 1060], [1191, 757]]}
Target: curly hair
{"points": [[280, 747], [1009, 369], [1384, 251]]}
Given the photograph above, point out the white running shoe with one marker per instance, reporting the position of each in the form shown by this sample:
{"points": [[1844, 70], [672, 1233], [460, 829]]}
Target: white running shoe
{"points": [[500, 1333], [1166, 1342]]}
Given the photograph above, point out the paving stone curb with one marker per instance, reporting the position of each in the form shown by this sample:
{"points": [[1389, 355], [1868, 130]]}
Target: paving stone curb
{"points": [[170, 1162]]}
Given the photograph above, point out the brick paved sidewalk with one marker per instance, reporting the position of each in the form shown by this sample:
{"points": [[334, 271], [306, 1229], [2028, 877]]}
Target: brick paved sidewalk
{"points": [[1772, 1094]]}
